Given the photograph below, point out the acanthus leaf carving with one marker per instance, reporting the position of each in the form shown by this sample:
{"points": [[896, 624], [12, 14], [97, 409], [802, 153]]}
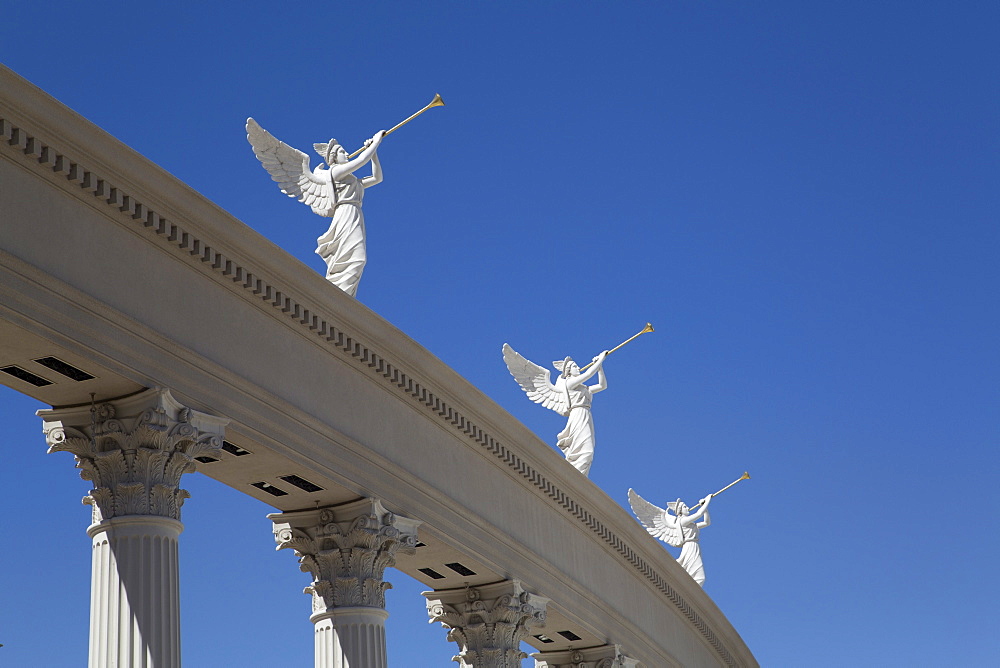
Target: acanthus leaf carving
{"points": [[488, 622], [135, 463], [131, 498], [604, 656], [349, 546]]}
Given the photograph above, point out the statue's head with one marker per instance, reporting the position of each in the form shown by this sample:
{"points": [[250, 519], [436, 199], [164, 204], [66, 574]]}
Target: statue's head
{"points": [[332, 152], [679, 507], [567, 367]]}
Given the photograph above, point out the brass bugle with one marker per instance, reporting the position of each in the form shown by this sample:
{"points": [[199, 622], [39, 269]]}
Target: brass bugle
{"points": [[436, 102], [745, 476], [647, 328]]}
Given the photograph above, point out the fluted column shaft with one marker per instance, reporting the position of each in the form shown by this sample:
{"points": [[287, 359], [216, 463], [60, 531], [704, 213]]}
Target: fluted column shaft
{"points": [[135, 592], [134, 451], [347, 548], [350, 637]]}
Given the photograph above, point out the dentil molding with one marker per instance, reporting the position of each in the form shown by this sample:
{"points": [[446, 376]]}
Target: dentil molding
{"points": [[132, 208]]}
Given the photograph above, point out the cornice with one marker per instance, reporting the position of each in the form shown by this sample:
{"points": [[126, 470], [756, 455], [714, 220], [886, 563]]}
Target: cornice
{"points": [[135, 208]]}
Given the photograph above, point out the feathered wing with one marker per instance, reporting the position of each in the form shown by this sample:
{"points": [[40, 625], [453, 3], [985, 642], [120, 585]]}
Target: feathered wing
{"points": [[535, 381], [655, 520], [290, 168]]}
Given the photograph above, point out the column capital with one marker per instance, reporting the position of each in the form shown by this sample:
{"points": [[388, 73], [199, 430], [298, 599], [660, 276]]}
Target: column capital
{"points": [[605, 656], [488, 622], [134, 450], [346, 548]]}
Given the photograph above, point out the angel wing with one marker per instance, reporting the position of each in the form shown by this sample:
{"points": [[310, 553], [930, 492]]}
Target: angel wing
{"points": [[290, 168], [655, 519], [536, 381]]}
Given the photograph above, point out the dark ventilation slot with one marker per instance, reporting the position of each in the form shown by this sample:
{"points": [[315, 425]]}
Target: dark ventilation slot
{"points": [[431, 573], [234, 449], [26, 376], [205, 460], [68, 370], [301, 483], [569, 635], [269, 488], [419, 544], [460, 569], [544, 639]]}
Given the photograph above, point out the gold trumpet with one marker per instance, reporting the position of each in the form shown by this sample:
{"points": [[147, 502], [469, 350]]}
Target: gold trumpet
{"points": [[436, 102], [745, 476], [647, 328]]}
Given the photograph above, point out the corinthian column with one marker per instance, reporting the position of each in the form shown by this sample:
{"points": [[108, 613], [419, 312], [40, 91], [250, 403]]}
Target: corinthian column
{"points": [[134, 451], [347, 548], [605, 656], [487, 622]]}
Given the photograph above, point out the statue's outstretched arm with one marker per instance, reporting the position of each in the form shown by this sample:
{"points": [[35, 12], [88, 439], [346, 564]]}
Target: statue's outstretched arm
{"points": [[376, 177], [338, 172], [575, 381], [703, 511], [602, 382], [706, 519]]}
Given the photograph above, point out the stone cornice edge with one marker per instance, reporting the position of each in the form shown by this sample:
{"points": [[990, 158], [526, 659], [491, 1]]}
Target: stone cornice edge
{"points": [[23, 144]]}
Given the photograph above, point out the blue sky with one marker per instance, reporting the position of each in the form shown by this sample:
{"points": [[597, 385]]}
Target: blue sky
{"points": [[801, 197]]}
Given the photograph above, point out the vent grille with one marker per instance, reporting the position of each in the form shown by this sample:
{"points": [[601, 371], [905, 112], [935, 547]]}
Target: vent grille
{"points": [[301, 483], [569, 635], [460, 569], [269, 488], [544, 639], [431, 573], [25, 375], [234, 449], [64, 368]]}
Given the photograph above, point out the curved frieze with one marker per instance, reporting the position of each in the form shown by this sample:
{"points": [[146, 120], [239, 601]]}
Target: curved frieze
{"points": [[21, 143]]}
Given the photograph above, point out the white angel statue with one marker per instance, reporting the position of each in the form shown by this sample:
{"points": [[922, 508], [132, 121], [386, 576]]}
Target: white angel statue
{"points": [[332, 192], [569, 397], [678, 530]]}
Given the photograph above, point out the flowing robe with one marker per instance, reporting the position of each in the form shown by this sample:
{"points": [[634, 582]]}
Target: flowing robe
{"points": [[577, 439], [690, 557], [342, 247]]}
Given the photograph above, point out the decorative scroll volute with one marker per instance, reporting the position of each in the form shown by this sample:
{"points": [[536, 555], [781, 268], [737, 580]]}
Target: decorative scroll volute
{"points": [[134, 462], [488, 622], [346, 549], [606, 656]]}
